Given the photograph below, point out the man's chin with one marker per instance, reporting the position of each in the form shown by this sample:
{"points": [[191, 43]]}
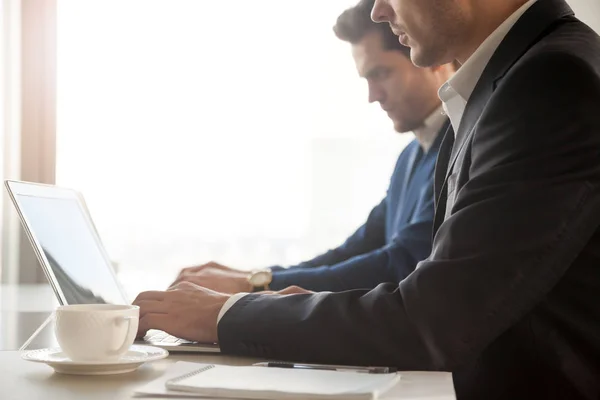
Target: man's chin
{"points": [[401, 128], [421, 58], [407, 126]]}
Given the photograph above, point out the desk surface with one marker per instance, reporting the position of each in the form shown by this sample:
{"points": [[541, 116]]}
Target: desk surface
{"points": [[20, 380], [23, 308]]}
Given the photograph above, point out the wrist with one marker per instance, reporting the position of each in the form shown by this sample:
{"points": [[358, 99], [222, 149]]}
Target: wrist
{"points": [[259, 280], [220, 304]]}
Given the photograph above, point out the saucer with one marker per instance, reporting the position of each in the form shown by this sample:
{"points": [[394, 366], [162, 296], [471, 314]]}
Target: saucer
{"points": [[130, 361]]}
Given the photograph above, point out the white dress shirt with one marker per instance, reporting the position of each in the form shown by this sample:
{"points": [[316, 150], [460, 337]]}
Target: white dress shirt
{"points": [[229, 303], [455, 93], [457, 90]]}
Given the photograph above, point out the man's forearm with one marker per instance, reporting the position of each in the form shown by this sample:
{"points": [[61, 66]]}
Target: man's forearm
{"points": [[343, 328], [368, 237], [389, 264]]}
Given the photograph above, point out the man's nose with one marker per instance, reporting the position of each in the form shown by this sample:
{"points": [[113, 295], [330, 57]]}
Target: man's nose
{"points": [[382, 12], [376, 94]]}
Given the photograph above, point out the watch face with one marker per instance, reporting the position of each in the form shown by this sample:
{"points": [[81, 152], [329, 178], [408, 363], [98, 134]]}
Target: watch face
{"points": [[261, 278]]}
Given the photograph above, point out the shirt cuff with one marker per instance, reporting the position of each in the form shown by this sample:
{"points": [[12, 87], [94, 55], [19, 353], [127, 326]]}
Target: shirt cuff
{"points": [[228, 304]]}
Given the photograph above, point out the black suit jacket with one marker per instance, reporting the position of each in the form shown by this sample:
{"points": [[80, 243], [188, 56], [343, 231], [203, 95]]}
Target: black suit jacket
{"points": [[509, 300]]}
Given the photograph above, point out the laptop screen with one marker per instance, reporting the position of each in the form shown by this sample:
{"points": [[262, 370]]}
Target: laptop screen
{"points": [[74, 255]]}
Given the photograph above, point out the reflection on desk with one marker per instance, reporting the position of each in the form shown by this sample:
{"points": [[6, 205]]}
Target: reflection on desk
{"points": [[17, 327], [23, 308]]}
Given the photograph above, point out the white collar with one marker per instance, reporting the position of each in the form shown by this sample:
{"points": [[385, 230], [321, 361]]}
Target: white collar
{"points": [[427, 133], [465, 79]]}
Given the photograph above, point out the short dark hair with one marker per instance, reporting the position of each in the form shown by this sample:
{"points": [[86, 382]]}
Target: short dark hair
{"points": [[355, 23]]}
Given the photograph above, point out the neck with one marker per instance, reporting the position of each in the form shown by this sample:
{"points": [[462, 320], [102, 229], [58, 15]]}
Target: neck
{"points": [[426, 134], [486, 19]]}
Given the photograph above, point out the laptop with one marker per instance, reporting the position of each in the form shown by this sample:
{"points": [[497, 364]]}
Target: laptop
{"points": [[69, 249]]}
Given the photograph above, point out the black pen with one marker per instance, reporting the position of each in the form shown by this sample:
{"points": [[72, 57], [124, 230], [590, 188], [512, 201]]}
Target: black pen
{"points": [[366, 370]]}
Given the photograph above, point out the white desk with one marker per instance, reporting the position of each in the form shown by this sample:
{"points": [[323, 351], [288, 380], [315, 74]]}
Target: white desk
{"points": [[23, 380]]}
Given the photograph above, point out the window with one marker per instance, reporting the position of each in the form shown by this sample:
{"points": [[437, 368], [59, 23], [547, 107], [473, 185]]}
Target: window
{"points": [[203, 130]]}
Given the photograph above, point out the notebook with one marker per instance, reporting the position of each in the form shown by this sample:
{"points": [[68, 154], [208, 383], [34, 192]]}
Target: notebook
{"points": [[260, 383]]}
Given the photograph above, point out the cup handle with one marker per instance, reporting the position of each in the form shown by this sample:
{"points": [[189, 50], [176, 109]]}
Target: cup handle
{"points": [[124, 345]]}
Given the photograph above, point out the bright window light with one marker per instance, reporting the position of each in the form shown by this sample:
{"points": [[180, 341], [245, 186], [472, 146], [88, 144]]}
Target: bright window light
{"points": [[232, 131]]}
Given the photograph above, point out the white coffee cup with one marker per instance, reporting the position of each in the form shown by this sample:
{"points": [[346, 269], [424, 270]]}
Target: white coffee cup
{"points": [[96, 332]]}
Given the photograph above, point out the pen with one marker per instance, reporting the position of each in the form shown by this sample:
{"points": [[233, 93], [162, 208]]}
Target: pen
{"points": [[367, 370]]}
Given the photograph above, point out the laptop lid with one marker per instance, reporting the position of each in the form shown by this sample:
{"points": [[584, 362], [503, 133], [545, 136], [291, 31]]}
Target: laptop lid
{"points": [[66, 242]]}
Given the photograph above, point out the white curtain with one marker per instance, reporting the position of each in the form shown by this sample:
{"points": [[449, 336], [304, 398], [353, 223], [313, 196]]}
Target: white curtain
{"points": [[10, 117]]}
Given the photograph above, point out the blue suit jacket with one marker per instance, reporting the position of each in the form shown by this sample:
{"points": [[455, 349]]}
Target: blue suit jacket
{"points": [[396, 236]]}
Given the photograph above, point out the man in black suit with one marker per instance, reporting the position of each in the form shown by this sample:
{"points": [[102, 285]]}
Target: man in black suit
{"points": [[508, 301]]}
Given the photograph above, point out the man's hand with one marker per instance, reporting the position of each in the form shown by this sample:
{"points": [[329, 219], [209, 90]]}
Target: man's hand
{"points": [[210, 265], [186, 311], [218, 278]]}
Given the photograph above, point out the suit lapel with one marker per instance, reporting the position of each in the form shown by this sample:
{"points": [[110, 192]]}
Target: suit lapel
{"points": [[526, 32], [520, 38], [439, 180], [447, 141]]}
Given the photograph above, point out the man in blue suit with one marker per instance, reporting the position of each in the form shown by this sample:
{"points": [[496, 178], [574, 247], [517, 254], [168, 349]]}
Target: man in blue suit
{"points": [[398, 232]]}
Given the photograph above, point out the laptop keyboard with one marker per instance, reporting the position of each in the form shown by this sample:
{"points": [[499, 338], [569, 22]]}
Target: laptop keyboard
{"points": [[164, 337]]}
